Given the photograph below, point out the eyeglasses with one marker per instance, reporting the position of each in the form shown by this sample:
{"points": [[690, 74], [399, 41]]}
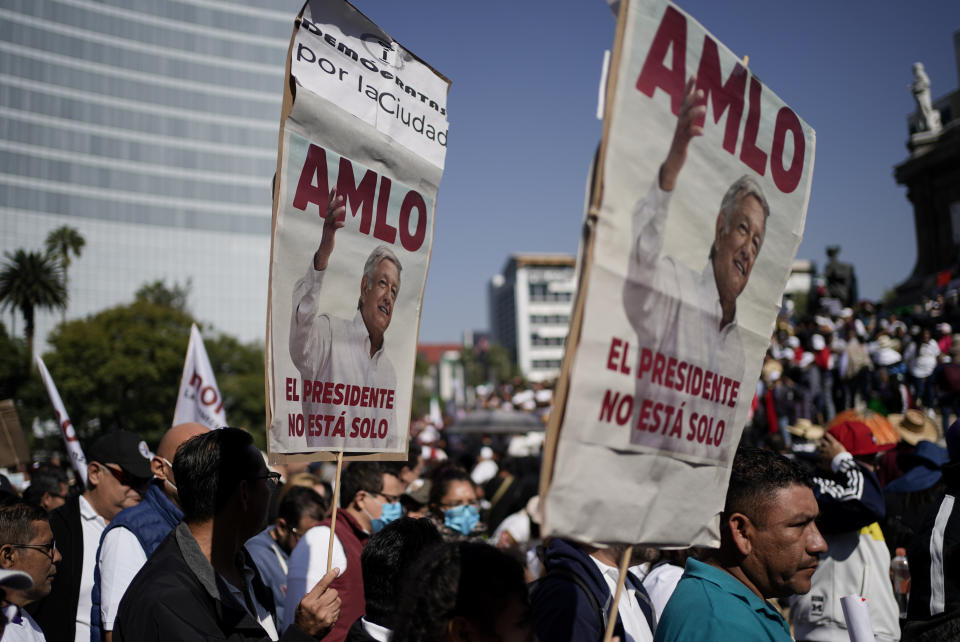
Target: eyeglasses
{"points": [[127, 479], [273, 479], [49, 550], [390, 499]]}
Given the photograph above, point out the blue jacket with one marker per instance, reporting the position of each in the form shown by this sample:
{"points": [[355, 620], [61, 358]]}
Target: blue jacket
{"points": [[560, 608], [150, 521]]}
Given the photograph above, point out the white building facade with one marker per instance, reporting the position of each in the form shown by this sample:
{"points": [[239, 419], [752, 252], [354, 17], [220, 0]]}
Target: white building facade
{"points": [[151, 127], [530, 307]]}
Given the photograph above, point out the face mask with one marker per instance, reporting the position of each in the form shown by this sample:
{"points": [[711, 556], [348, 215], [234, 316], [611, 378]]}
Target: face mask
{"points": [[391, 512], [462, 518]]}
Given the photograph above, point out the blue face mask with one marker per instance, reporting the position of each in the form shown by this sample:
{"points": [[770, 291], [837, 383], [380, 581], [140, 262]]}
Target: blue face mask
{"points": [[462, 518], [391, 512]]}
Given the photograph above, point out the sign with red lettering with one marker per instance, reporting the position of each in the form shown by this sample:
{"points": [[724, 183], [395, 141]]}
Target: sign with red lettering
{"points": [[199, 399], [704, 177], [362, 148]]}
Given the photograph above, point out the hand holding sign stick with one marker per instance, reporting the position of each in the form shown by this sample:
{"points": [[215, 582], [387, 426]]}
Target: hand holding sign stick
{"points": [[335, 219]]}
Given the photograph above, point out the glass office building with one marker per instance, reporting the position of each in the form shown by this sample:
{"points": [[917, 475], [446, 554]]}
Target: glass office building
{"points": [[151, 127]]}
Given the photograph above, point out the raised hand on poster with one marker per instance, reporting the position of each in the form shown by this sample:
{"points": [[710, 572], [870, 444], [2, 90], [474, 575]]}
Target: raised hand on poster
{"points": [[689, 124], [335, 219], [319, 609]]}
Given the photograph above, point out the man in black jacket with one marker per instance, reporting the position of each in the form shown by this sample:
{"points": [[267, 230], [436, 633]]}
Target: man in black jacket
{"points": [[118, 471], [200, 583]]}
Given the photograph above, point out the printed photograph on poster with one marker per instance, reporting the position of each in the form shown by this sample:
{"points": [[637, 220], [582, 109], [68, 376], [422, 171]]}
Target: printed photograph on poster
{"points": [[361, 154], [706, 176], [349, 323]]}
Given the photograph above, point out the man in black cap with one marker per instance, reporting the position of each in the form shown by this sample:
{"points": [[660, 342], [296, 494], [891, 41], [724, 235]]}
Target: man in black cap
{"points": [[118, 471]]}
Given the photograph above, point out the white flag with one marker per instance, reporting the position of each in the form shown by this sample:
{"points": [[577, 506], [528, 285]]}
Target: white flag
{"points": [[199, 399], [74, 450]]}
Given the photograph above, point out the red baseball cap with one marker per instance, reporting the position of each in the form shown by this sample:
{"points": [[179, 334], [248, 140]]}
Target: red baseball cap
{"points": [[857, 438]]}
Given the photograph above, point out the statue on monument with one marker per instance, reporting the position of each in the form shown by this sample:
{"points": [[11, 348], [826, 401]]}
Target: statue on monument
{"points": [[929, 118], [841, 278]]}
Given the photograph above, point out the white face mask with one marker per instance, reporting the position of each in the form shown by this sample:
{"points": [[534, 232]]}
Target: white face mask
{"points": [[167, 481]]}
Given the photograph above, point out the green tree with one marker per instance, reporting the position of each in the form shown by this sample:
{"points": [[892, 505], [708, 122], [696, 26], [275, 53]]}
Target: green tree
{"points": [[158, 292], [60, 244], [492, 366], [31, 281], [14, 364], [122, 367]]}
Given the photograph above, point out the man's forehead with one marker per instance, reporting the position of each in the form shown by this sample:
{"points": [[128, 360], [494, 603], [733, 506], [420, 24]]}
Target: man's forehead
{"points": [[41, 530], [791, 503]]}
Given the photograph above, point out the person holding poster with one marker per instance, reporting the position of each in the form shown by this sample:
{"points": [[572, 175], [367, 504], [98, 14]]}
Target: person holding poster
{"points": [[344, 359], [686, 321]]}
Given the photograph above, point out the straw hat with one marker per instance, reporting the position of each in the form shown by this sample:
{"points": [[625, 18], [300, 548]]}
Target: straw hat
{"points": [[806, 429], [914, 426]]}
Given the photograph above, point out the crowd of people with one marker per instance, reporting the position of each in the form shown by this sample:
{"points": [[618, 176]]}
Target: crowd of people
{"points": [[201, 539]]}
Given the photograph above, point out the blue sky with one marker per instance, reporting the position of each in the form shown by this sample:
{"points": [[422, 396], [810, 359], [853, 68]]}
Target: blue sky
{"points": [[523, 128]]}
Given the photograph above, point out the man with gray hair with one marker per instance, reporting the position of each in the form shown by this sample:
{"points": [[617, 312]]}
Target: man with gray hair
{"points": [[344, 361], [686, 324]]}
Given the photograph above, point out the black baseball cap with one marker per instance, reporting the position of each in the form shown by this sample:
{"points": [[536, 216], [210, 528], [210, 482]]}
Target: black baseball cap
{"points": [[125, 449]]}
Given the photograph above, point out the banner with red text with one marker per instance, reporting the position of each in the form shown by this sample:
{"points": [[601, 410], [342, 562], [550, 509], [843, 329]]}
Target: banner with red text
{"points": [[700, 211], [199, 399], [362, 148], [74, 451]]}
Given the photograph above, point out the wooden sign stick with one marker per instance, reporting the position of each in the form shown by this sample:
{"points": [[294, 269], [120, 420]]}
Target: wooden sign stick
{"points": [[612, 618], [333, 518]]}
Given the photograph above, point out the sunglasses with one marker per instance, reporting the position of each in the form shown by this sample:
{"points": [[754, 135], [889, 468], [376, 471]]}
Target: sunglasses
{"points": [[125, 478], [273, 479]]}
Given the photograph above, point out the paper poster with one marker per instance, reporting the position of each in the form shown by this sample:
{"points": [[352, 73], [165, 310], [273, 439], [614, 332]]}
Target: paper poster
{"points": [[705, 181], [361, 155]]}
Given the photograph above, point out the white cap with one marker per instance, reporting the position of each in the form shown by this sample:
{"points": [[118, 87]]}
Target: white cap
{"points": [[486, 452], [817, 342]]}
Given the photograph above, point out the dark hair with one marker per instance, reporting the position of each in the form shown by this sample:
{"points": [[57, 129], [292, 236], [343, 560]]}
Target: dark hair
{"points": [[443, 478], [208, 468], [385, 560], [468, 579], [43, 480], [413, 459], [16, 522], [756, 476], [297, 502], [361, 475]]}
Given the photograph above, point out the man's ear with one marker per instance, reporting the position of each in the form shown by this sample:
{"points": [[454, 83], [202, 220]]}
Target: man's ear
{"points": [[363, 286], [156, 467], [8, 556], [741, 531], [281, 525], [721, 220], [359, 497], [93, 473]]}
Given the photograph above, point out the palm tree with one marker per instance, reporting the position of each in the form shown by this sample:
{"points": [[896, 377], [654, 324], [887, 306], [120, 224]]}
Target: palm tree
{"points": [[61, 243], [31, 280]]}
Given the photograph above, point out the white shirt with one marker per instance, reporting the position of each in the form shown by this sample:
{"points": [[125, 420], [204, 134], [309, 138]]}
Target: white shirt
{"points": [[121, 558], [377, 632], [676, 313], [308, 564], [484, 471], [660, 583], [635, 625], [92, 525], [327, 349], [24, 631]]}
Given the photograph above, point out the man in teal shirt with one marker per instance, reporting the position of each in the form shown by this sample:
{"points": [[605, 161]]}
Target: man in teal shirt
{"points": [[769, 548]]}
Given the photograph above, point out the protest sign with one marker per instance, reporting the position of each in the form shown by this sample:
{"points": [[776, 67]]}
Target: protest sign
{"points": [[77, 458], [13, 447], [698, 206], [362, 146], [199, 399]]}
